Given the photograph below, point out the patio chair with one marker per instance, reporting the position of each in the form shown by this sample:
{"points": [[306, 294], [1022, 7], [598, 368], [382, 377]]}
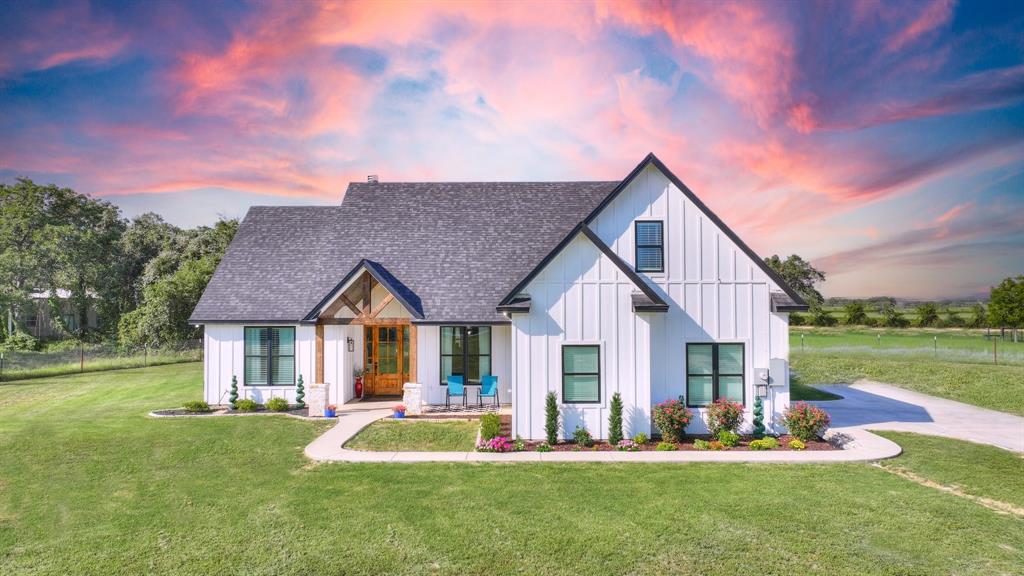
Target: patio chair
{"points": [[456, 387], [488, 388]]}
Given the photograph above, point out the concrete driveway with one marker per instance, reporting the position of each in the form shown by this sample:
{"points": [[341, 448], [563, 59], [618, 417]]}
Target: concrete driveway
{"points": [[876, 406]]}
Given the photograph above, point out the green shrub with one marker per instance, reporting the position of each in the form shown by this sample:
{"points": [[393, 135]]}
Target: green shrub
{"points": [[666, 447], [22, 341], [490, 426], [197, 406], [758, 418], [551, 418], [641, 438], [796, 444], [701, 444], [277, 405], [246, 405], [805, 422], [300, 394], [615, 420], [728, 438], [544, 447], [724, 415], [767, 443], [519, 445], [581, 436]]}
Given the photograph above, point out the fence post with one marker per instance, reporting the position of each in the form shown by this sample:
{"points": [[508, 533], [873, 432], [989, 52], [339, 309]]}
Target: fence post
{"points": [[801, 342], [879, 337], [995, 353], [1, 366], [145, 354], [81, 356], [936, 346]]}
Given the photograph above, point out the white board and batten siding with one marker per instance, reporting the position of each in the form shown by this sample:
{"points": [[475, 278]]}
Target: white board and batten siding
{"points": [[428, 363], [715, 292], [224, 353]]}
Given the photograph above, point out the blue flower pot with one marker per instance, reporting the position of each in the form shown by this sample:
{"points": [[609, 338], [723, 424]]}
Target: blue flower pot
{"points": [[399, 414], [328, 413]]}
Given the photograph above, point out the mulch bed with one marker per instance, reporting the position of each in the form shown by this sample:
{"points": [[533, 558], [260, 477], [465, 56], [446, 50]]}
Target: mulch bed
{"points": [[687, 444], [303, 412]]}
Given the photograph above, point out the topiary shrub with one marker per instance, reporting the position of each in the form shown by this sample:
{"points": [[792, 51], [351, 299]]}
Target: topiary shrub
{"points": [[233, 397], [615, 420], [724, 415], [672, 417], [277, 405], [490, 426], [806, 422], [246, 405], [728, 438], [581, 436], [758, 418], [300, 394], [551, 418], [197, 406]]}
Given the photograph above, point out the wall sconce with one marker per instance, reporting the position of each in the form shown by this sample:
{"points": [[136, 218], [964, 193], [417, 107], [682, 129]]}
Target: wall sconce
{"points": [[351, 345], [761, 389]]}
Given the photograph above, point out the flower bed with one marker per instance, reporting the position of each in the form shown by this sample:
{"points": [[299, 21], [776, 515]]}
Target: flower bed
{"points": [[686, 444]]}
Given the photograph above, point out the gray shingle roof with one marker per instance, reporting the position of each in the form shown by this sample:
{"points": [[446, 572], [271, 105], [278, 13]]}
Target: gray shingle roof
{"points": [[457, 246], [784, 303]]}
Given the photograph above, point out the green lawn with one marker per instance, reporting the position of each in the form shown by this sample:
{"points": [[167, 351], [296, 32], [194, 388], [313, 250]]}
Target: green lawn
{"points": [[800, 391], [996, 387], [89, 485], [948, 345], [413, 436], [976, 469]]}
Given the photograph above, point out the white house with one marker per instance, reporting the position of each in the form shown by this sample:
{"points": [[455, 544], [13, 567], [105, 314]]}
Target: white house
{"points": [[583, 289]]}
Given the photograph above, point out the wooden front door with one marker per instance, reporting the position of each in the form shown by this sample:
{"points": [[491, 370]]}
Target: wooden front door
{"points": [[387, 359]]}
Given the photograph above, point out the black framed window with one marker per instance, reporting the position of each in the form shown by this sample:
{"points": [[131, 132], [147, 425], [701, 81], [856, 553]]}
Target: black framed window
{"points": [[650, 246], [466, 352], [581, 374], [714, 371], [269, 356]]}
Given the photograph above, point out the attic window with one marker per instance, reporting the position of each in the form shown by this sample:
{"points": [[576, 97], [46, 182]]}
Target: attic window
{"points": [[650, 246]]}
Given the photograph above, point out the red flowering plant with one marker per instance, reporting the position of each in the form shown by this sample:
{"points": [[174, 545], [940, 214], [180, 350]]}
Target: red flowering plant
{"points": [[805, 421], [723, 415], [497, 444], [672, 417], [400, 408]]}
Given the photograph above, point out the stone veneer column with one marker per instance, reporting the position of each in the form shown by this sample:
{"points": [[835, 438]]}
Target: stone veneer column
{"points": [[317, 399], [412, 398]]}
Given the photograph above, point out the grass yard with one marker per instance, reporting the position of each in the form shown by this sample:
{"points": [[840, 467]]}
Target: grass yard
{"points": [[947, 345], [995, 387], [417, 436], [89, 485]]}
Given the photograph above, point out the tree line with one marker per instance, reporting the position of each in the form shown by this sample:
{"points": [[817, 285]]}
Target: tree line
{"points": [[142, 276], [1005, 308]]}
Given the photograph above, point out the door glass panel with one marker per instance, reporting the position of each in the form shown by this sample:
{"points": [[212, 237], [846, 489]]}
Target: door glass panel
{"points": [[405, 349], [387, 351]]}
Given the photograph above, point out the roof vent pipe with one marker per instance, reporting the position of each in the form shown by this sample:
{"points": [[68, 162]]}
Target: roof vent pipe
{"points": [[372, 179]]}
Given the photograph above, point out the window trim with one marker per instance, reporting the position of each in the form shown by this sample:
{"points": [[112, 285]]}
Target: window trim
{"points": [[270, 358], [598, 373], [465, 350], [637, 246], [715, 374]]}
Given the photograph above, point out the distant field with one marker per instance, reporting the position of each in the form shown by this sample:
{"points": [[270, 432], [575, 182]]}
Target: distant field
{"points": [[949, 344], [964, 313]]}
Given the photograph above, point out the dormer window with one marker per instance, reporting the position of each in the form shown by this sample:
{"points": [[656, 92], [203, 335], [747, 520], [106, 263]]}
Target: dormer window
{"points": [[650, 246]]}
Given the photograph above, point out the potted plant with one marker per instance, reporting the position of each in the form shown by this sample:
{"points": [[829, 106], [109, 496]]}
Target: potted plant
{"points": [[358, 375], [330, 411], [399, 411]]}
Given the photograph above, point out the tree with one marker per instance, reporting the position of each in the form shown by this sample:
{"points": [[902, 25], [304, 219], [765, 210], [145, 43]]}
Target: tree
{"points": [[1006, 304], [551, 418], [820, 316], [892, 317], [143, 239], [979, 316], [799, 275], [927, 314], [952, 318], [615, 420], [855, 313]]}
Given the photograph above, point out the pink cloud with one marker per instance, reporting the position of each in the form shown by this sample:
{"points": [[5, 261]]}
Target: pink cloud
{"points": [[953, 212], [933, 16]]}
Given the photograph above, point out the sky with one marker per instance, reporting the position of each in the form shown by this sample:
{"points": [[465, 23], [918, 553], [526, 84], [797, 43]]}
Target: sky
{"points": [[883, 141]]}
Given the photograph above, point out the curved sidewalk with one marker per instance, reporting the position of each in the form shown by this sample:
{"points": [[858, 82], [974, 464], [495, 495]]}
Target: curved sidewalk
{"points": [[859, 446]]}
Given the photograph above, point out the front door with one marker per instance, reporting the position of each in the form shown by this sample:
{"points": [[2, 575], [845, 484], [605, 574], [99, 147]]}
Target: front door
{"points": [[387, 359]]}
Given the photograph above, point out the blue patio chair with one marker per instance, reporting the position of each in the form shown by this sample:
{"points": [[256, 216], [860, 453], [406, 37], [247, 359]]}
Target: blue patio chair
{"points": [[488, 388], [456, 387]]}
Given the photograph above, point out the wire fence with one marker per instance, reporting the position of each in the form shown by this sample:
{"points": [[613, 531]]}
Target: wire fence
{"points": [[74, 357], [969, 346]]}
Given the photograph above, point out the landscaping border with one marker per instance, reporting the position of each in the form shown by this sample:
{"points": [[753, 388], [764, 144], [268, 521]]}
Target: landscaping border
{"points": [[857, 446], [227, 412]]}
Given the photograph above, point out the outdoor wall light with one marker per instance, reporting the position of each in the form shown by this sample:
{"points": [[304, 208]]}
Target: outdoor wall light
{"points": [[761, 389], [351, 344]]}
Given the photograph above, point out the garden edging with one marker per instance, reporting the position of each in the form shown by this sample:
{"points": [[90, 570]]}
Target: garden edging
{"points": [[858, 446]]}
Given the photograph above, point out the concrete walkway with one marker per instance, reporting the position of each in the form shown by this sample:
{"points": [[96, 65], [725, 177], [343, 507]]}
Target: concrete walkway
{"points": [[876, 406], [859, 445]]}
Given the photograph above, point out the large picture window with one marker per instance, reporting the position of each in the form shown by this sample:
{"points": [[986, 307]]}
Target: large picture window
{"points": [[714, 371], [650, 246], [466, 352], [269, 356], [581, 374]]}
